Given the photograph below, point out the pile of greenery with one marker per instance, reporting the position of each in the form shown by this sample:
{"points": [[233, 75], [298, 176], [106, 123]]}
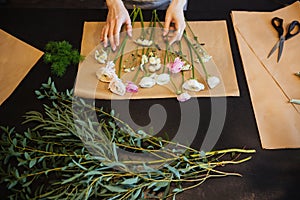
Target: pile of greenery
{"points": [[60, 54], [65, 154]]}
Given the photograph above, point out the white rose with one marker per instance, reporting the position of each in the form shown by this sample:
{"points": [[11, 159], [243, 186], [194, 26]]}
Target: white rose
{"points": [[147, 82], [163, 79], [213, 81], [107, 73], [193, 85], [117, 86]]}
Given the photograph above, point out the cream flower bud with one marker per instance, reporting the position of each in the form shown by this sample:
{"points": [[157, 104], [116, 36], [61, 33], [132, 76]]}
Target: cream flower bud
{"points": [[193, 85]]}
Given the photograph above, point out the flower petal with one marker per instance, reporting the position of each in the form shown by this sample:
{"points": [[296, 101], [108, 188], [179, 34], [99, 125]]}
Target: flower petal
{"points": [[183, 97], [131, 87], [117, 86], [193, 85], [213, 81], [147, 82], [163, 79]]}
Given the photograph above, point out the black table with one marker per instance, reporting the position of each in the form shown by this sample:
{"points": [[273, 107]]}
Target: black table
{"points": [[271, 174]]}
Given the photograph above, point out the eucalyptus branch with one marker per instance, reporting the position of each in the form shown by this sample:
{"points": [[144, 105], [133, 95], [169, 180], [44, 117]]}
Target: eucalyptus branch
{"points": [[70, 154]]}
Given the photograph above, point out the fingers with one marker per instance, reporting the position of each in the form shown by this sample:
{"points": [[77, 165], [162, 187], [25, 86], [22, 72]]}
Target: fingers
{"points": [[128, 27], [176, 37], [167, 25], [111, 32], [104, 34]]}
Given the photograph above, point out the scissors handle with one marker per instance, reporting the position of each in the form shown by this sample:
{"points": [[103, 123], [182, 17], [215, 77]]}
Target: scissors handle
{"points": [[278, 25], [293, 29]]}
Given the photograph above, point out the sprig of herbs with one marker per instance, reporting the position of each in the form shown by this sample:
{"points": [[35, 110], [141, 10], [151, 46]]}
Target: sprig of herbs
{"points": [[60, 54], [66, 154]]}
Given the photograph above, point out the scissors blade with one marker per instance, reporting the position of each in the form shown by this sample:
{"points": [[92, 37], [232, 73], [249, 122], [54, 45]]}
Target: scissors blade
{"points": [[274, 48], [281, 44]]}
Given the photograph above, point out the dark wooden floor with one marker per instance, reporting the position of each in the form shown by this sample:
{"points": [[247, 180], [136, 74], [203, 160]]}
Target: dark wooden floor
{"points": [[52, 3]]}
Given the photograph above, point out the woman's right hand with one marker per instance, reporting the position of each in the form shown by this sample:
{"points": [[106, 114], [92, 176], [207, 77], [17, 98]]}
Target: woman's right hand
{"points": [[116, 17]]}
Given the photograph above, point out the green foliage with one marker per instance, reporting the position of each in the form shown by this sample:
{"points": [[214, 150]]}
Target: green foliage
{"points": [[60, 55], [69, 155]]}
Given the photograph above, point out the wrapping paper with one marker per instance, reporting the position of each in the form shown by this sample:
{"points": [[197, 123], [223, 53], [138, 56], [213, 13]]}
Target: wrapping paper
{"points": [[271, 84], [16, 60], [215, 36]]}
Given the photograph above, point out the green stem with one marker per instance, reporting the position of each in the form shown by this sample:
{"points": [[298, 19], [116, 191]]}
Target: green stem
{"points": [[198, 56], [192, 61], [143, 34]]}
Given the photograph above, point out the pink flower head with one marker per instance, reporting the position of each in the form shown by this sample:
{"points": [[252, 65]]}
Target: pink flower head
{"points": [[176, 66], [131, 87]]}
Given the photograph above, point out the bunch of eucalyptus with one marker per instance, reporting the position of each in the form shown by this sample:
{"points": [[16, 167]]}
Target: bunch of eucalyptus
{"points": [[67, 154]]}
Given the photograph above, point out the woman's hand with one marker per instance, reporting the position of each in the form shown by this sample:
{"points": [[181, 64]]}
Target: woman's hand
{"points": [[174, 15], [116, 17]]}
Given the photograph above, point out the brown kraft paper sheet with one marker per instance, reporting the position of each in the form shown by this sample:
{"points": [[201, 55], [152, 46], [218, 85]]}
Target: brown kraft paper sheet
{"points": [[270, 83], [213, 34], [16, 60]]}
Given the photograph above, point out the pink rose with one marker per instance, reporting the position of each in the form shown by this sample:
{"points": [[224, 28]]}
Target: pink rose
{"points": [[131, 87], [176, 66]]}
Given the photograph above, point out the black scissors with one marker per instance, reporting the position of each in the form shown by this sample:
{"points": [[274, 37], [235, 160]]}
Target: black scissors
{"points": [[293, 30]]}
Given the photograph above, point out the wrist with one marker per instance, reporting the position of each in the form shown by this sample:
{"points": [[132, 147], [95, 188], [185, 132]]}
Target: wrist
{"points": [[111, 3], [178, 3]]}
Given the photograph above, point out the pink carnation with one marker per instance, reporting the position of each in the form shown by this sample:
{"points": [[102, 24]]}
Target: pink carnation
{"points": [[176, 66], [131, 87]]}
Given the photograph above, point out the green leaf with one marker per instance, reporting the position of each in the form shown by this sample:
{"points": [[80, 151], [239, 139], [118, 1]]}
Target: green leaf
{"points": [[71, 178], [79, 165], [32, 163], [12, 184], [173, 170], [115, 151], [93, 173], [115, 188], [136, 194], [130, 181], [177, 190], [27, 156], [14, 141], [159, 185]]}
